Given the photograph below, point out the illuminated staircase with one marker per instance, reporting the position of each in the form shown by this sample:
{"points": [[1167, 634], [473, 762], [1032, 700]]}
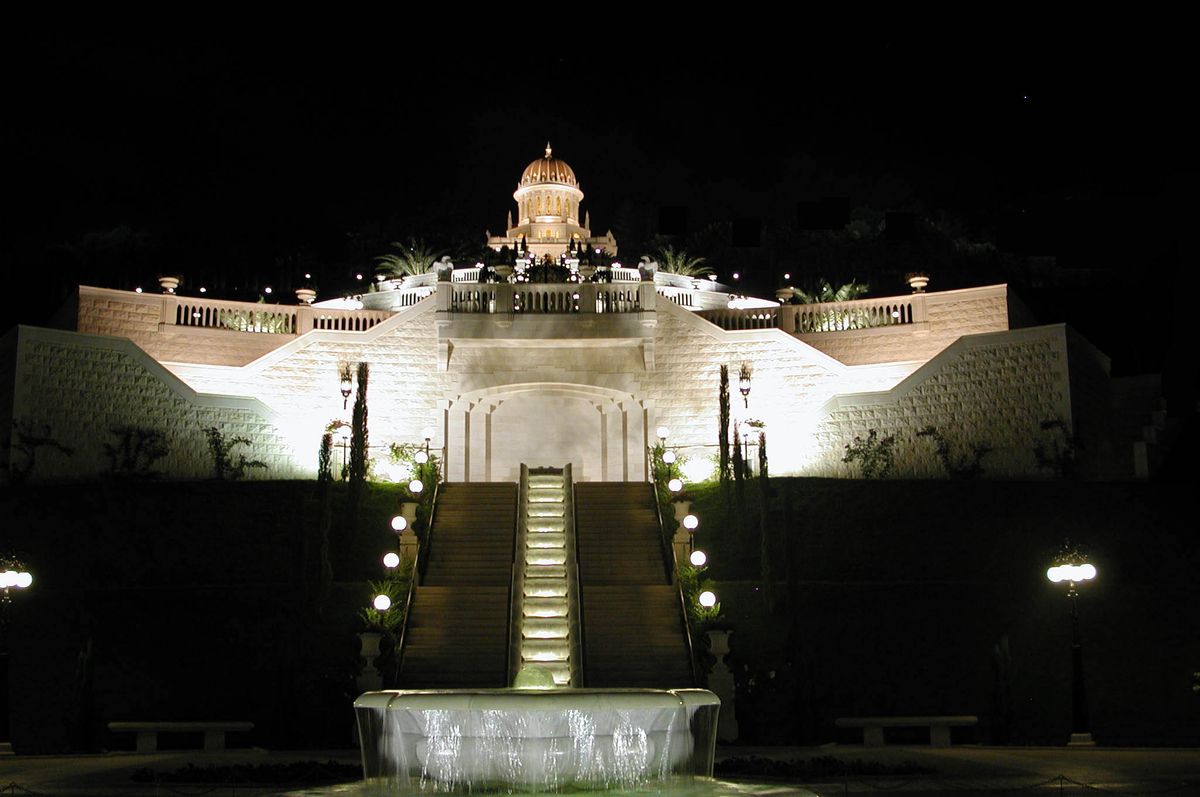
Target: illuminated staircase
{"points": [[635, 634], [544, 584], [455, 634]]}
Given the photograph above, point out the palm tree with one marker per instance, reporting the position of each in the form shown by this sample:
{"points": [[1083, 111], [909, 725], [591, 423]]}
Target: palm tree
{"points": [[825, 292], [681, 263], [413, 258]]}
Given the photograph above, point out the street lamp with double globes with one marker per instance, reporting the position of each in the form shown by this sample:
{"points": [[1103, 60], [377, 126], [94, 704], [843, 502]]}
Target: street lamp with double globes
{"points": [[1072, 567], [13, 576]]}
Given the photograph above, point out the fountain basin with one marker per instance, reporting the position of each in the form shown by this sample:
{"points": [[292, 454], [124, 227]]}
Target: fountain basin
{"points": [[535, 739]]}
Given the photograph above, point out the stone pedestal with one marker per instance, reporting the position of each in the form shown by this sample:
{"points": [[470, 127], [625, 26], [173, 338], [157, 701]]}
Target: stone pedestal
{"points": [[370, 679], [720, 682]]}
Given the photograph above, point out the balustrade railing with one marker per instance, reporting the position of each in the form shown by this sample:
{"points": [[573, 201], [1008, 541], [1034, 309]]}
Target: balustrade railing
{"points": [[532, 298], [824, 317], [274, 319]]}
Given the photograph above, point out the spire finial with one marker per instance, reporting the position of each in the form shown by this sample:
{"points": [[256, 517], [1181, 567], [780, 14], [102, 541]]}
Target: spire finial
{"points": [[547, 149]]}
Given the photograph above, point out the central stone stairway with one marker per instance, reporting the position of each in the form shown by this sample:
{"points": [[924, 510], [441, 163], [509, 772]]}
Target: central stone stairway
{"points": [[634, 631], [545, 588], [456, 634]]}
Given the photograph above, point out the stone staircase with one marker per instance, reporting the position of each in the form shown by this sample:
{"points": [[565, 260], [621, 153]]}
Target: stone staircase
{"points": [[456, 634], [634, 633], [545, 575]]}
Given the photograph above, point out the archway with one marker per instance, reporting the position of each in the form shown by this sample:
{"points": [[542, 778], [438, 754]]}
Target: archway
{"points": [[603, 433]]}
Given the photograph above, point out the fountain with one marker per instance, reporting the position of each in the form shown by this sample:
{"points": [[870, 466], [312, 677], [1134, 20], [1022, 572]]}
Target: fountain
{"points": [[534, 739]]}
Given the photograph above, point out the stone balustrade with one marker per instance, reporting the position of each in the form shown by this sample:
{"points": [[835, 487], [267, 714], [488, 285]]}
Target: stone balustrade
{"points": [[826, 316], [534, 298], [262, 318]]}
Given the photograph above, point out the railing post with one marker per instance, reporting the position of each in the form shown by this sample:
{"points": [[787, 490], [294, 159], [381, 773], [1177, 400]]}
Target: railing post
{"points": [[504, 298], [587, 297], [647, 296], [170, 303], [920, 312], [787, 318], [445, 292], [304, 319]]}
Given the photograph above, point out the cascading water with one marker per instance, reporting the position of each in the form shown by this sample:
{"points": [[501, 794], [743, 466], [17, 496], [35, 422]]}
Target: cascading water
{"points": [[534, 740]]}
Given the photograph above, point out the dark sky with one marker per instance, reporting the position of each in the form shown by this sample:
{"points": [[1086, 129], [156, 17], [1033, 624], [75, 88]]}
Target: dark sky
{"points": [[239, 158]]}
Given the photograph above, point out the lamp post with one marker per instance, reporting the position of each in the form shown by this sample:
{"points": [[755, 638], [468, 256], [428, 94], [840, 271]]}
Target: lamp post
{"points": [[1072, 567], [744, 383], [13, 576]]}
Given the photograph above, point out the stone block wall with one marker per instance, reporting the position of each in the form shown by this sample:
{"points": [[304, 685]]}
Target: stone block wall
{"points": [[81, 387], [948, 316], [300, 382], [138, 317], [991, 389]]}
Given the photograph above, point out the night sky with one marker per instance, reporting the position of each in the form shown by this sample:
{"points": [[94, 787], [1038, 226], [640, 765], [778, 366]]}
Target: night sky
{"points": [[241, 162]]}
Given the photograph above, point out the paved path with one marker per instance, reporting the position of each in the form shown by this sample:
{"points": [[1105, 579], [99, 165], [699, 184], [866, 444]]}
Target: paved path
{"points": [[958, 770]]}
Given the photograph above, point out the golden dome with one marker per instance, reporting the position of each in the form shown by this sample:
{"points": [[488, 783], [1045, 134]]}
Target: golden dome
{"points": [[548, 170]]}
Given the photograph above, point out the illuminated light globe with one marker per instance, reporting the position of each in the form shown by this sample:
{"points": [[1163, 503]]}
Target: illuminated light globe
{"points": [[391, 559], [382, 603], [675, 485], [23, 580], [399, 523], [663, 433], [698, 558], [1083, 572], [708, 599], [421, 457], [669, 457], [697, 470], [691, 522], [427, 433], [415, 486]]}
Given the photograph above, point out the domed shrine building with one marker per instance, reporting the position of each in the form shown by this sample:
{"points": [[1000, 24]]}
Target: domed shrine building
{"points": [[560, 354]]}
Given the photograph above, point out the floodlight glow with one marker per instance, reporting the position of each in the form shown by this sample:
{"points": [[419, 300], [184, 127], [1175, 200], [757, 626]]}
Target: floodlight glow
{"points": [[675, 485], [663, 433], [691, 522], [415, 486], [1073, 573], [698, 558], [421, 457], [267, 289], [344, 433], [382, 603], [8, 579], [391, 559], [24, 580], [669, 457], [697, 470], [399, 523], [427, 433], [708, 599]]}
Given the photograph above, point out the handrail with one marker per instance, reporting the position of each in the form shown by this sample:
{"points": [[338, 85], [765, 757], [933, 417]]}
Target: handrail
{"points": [[427, 544], [669, 560], [422, 549], [516, 583], [574, 602]]}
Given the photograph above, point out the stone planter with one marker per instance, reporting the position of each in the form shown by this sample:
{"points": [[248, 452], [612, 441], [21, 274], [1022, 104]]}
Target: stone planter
{"points": [[306, 295], [370, 678], [169, 283], [720, 682], [784, 295]]}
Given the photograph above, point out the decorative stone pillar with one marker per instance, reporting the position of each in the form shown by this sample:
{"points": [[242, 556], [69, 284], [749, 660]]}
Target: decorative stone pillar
{"points": [[720, 683], [370, 679], [408, 510], [682, 540]]}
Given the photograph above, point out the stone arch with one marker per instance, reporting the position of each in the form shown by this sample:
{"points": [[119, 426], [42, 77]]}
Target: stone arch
{"points": [[603, 432]]}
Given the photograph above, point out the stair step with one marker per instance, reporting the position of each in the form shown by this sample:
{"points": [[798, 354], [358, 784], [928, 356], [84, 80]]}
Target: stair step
{"points": [[545, 556], [544, 588], [545, 649], [545, 628], [546, 539], [544, 607], [546, 571], [544, 510], [543, 525]]}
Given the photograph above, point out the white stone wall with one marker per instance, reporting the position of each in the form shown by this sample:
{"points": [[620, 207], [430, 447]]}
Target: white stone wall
{"points": [[992, 389], [791, 381], [948, 316], [300, 382], [82, 386], [138, 317]]}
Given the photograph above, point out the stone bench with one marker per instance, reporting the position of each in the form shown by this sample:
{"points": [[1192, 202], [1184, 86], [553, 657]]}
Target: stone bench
{"points": [[939, 727], [147, 732]]}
